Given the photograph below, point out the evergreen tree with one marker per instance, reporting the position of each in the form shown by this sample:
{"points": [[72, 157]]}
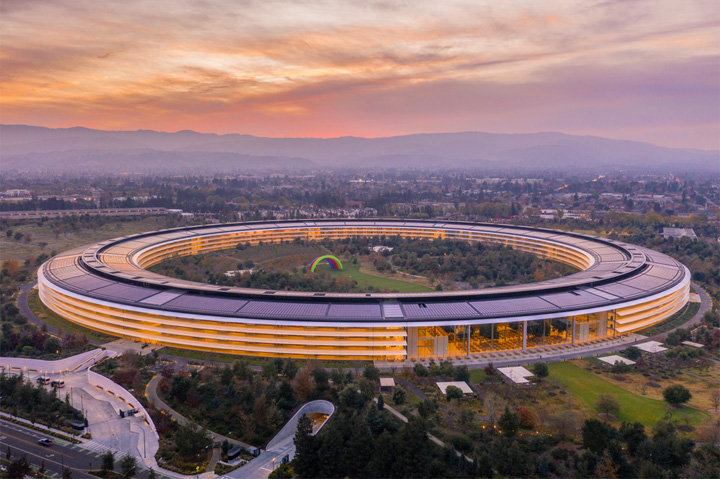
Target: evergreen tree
{"points": [[107, 461], [381, 402], [306, 449], [330, 453], [360, 448], [374, 420], [509, 423]]}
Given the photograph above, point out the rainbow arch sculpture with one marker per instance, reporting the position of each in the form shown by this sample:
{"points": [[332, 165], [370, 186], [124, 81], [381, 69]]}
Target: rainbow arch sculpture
{"points": [[334, 262]]}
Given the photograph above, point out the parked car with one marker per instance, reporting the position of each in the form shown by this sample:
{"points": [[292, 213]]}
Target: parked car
{"points": [[58, 384], [42, 380], [45, 442]]}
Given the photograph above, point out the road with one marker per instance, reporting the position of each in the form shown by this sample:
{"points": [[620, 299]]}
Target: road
{"points": [[705, 305], [22, 304], [24, 441]]}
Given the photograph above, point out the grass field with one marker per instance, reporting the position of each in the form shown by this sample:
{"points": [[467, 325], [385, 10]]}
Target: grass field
{"points": [[53, 319], [44, 233], [379, 283], [677, 319], [634, 408]]}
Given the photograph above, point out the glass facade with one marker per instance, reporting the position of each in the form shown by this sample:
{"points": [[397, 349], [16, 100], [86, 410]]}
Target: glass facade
{"points": [[465, 340]]}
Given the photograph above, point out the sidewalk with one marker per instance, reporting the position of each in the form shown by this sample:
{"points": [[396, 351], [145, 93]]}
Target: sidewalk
{"points": [[430, 436], [529, 356], [154, 399]]}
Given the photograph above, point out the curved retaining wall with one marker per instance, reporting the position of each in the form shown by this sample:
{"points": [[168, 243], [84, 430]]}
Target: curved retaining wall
{"points": [[100, 381]]}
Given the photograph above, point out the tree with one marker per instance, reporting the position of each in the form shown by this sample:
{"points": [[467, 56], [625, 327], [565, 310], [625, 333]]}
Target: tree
{"points": [[453, 392], [421, 370], [715, 398], [381, 403], [607, 404], [67, 473], [632, 353], [540, 370], [399, 396], [371, 372], [51, 345], [190, 439], [375, 420], [620, 368], [306, 449], [633, 435], [151, 474], [128, 466], [18, 468], [107, 461], [462, 373], [676, 395], [596, 435], [509, 423]]}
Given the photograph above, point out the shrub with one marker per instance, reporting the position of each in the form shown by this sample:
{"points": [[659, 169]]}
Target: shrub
{"points": [[676, 394]]}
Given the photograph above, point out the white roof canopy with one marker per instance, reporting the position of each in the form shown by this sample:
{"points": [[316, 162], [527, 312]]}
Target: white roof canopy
{"points": [[462, 385], [616, 359]]}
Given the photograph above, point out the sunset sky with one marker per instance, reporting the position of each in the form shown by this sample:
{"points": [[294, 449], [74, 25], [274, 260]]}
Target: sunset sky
{"points": [[640, 70]]}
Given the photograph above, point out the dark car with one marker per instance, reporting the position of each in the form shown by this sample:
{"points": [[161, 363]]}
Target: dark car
{"points": [[45, 442]]}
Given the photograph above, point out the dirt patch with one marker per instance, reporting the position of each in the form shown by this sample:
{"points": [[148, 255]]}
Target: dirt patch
{"points": [[653, 385]]}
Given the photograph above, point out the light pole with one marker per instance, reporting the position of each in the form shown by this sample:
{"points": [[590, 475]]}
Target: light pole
{"points": [[144, 443], [273, 464]]}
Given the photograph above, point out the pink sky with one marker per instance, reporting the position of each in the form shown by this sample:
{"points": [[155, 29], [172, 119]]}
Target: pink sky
{"points": [[639, 70]]}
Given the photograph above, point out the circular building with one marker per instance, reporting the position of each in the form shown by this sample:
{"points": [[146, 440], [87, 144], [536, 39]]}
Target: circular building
{"points": [[621, 288]]}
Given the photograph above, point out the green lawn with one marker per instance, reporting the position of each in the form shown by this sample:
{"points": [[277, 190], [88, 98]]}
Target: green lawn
{"points": [[54, 319], [587, 387], [379, 283]]}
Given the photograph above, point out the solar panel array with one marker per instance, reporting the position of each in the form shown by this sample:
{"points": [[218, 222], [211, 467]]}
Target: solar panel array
{"points": [[124, 292], [284, 309], [571, 299], [359, 311], [161, 298], [438, 310], [208, 304], [500, 307]]}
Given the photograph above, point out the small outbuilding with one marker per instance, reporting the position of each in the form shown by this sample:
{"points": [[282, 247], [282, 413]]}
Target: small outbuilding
{"points": [[461, 385], [652, 347], [387, 384], [611, 360], [516, 374]]}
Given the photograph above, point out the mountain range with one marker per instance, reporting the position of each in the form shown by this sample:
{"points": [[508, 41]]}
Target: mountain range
{"points": [[32, 148]]}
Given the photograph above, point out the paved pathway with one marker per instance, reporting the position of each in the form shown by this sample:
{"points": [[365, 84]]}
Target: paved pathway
{"points": [[154, 399], [705, 305], [430, 436], [282, 444], [22, 304]]}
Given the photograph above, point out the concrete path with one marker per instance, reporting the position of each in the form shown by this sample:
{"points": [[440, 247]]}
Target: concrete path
{"points": [[434, 439], [282, 444], [22, 304], [154, 399]]}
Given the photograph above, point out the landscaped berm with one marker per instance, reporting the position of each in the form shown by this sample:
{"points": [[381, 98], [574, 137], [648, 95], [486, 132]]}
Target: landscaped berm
{"points": [[106, 286]]}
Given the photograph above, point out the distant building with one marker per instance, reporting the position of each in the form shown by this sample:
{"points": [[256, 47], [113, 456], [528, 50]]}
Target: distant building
{"points": [[678, 233], [16, 195]]}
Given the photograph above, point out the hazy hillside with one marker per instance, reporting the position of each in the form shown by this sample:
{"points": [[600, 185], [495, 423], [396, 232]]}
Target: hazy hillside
{"points": [[27, 148]]}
